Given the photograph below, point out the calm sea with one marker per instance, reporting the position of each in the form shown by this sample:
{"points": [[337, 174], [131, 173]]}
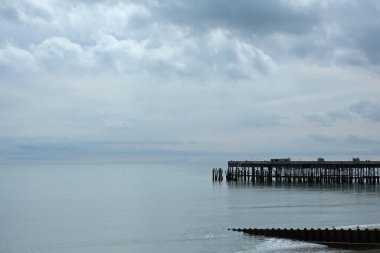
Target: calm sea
{"points": [[124, 208]]}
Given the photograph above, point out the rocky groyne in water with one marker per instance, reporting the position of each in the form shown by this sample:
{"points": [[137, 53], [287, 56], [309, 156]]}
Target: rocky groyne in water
{"points": [[338, 238]]}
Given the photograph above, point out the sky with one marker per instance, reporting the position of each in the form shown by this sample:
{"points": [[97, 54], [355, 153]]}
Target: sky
{"points": [[189, 81]]}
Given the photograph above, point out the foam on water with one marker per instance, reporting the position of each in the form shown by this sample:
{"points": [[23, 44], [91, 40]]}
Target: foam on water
{"points": [[273, 245], [363, 226]]}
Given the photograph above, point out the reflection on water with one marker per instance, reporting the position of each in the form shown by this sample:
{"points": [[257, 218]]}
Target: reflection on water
{"points": [[300, 186]]}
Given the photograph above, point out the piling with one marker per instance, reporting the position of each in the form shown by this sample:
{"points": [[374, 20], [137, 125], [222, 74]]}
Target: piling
{"points": [[217, 174]]}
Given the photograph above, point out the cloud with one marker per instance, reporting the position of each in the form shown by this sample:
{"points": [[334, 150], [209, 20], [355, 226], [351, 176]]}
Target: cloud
{"points": [[7, 13], [87, 20], [231, 39], [18, 59], [351, 41], [368, 40], [219, 53], [363, 33], [259, 17], [328, 118], [263, 121], [236, 77], [58, 53], [114, 123], [353, 139], [226, 54], [367, 109], [322, 138], [34, 12]]}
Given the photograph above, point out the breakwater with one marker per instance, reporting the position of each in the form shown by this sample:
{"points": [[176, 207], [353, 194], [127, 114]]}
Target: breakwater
{"points": [[340, 238], [311, 172]]}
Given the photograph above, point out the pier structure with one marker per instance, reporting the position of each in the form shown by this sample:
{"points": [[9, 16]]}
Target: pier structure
{"points": [[311, 172]]}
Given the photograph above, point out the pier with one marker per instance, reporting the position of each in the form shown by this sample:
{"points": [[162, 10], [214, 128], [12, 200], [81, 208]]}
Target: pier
{"points": [[338, 238], [309, 172]]}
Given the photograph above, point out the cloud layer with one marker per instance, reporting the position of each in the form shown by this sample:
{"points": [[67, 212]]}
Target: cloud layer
{"points": [[249, 78]]}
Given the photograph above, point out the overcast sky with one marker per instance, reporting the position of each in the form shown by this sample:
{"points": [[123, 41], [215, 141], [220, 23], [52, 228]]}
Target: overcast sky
{"points": [[195, 80]]}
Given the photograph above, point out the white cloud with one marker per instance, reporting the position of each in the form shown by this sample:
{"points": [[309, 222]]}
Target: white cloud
{"points": [[231, 54], [61, 53], [18, 59], [99, 18]]}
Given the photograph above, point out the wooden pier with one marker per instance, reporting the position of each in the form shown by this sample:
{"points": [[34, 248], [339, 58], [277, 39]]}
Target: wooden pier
{"points": [[309, 172], [338, 238]]}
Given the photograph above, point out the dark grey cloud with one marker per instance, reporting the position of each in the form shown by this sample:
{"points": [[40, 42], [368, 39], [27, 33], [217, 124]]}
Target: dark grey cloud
{"points": [[8, 13], [349, 33], [319, 119], [368, 41], [350, 140], [252, 17], [357, 140], [359, 22], [367, 109], [322, 138], [18, 11], [328, 118], [324, 32]]}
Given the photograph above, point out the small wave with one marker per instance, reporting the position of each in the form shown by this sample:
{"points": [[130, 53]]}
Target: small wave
{"points": [[272, 245], [292, 206], [363, 226], [206, 236]]}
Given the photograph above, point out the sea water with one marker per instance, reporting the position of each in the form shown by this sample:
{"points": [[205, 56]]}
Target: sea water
{"points": [[58, 208]]}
